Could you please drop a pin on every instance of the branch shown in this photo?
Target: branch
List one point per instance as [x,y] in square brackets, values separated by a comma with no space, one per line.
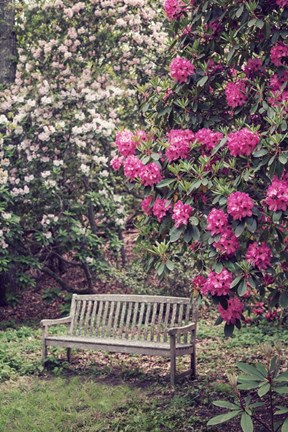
[64,285]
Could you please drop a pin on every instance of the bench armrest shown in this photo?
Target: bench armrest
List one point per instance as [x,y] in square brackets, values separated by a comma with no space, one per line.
[51,322]
[182,330]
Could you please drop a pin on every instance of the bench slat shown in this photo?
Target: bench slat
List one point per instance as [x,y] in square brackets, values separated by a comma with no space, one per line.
[123,313]
[165,333]
[104,320]
[127,323]
[116,318]
[180,318]
[133,298]
[147,319]
[153,321]
[187,319]
[83,309]
[111,315]
[99,316]
[140,321]
[160,323]
[92,322]
[134,319]
[87,318]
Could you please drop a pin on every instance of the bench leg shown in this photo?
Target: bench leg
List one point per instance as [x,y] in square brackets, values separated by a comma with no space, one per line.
[69,355]
[193,364]
[172,360]
[44,353]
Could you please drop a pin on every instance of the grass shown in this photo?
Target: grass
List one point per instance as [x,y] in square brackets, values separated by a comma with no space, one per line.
[104,392]
[59,404]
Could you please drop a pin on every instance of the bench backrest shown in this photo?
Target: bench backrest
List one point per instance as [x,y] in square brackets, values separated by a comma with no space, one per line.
[136,317]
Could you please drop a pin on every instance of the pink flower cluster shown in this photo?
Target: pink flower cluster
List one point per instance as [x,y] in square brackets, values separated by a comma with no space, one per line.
[181,213]
[243,142]
[198,282]
[132,167]
[174,9]
[116,163]
[259,255]
[252,67]
[239,205]
[236,93]
[277,53]
[126,143]
[208,138]
[277,195]
[217,221]
[150,174]
[181,69]
[179,144]
[217,284]
[233,311]
[146,205]
[160,208]
[282,3]
[228,243]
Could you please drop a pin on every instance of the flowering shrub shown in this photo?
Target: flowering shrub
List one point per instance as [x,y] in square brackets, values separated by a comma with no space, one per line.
[219,139]
[75,84]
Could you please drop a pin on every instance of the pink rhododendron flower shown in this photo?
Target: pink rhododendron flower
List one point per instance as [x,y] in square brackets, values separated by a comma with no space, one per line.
[276,81]
[217,221]
[160,208]
[150,174]
[277,195]
[126,143]
[236,93]
[208,138]
[146,205]
[282,3]
[179,144]
[243,142]
[181,213]
[181,69]
[252,67]
[228,243]
[139,136]
[174,9]
[277,53]
[116,163]
[239,205]
[132,167]
[233,312]
[217,284]
[198,282]
[259,255]
[258,308]
[271,315]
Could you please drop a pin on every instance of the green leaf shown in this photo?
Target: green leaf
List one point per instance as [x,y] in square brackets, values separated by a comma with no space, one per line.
[170,265]
[281,390]
[226,404]
[251,224]
[260,153]
[281,410]
[195,233]
[202,81]
[175,234]
[228,330]
[284,427]
[283,377]
[242,288]
[239,11]
[248,386]
[283,157]
[250,370]
[164,183]
[249,378]
[264,389]
[239,229]
[222,418]
[283,299]
[236,281]
[246,423]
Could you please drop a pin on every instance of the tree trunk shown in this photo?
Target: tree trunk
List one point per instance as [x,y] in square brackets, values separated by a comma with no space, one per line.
[8,283]
[7,42]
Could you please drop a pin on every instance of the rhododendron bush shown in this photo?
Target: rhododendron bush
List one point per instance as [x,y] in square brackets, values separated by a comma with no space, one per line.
[79,63]
[213,161]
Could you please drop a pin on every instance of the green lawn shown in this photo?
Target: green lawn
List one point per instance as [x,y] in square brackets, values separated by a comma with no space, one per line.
[105,392]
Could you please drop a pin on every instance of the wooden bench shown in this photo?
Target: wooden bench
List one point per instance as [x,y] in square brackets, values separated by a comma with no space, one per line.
[152,325]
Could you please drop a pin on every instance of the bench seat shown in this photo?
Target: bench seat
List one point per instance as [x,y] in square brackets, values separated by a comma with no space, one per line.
[118,345]
[151,325]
